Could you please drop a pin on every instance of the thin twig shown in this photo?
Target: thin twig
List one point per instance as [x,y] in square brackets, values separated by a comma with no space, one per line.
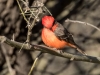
[22,12]
[36,59]
[48,10]
[21,47]
[34,64]
[33,23]
[73,21]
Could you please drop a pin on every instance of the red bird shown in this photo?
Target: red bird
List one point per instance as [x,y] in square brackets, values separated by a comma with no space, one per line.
[56,36]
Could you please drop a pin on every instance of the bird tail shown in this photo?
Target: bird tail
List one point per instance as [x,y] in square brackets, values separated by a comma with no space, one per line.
[81,51]
[75,46]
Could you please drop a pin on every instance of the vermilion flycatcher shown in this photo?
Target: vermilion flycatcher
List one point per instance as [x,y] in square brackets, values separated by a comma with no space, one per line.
[56,36]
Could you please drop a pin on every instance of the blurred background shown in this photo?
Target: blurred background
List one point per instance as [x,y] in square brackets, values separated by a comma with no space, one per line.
[11,22]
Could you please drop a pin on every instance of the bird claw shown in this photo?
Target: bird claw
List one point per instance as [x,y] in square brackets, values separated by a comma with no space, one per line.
[57,50]
[60,51]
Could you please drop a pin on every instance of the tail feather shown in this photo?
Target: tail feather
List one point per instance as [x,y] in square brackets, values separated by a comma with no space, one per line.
[81,51]
[75,46]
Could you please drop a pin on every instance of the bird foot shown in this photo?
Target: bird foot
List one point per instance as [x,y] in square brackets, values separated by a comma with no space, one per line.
[60,51]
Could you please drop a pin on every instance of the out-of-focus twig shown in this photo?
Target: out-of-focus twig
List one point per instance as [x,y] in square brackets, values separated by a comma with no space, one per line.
[34,64]
[10,69]
[84,23]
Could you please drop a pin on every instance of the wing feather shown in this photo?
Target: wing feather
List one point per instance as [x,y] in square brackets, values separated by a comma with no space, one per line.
[63,34]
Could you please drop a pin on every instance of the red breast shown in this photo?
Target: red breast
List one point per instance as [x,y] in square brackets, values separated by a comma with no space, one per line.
[51,40]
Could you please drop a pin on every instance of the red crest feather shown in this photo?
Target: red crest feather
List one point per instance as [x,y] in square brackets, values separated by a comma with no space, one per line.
[47,21]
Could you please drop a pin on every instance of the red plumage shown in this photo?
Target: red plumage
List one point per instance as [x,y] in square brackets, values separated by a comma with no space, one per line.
[51,40]
[47,21]
[55,35]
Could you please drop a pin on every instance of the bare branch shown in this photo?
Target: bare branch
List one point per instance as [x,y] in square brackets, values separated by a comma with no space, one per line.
[46,49]
[84,23]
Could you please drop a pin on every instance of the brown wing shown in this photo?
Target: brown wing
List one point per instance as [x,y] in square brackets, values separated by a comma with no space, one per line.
[63,34]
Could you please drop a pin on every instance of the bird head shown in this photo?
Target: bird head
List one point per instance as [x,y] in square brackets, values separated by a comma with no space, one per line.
[47,21]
